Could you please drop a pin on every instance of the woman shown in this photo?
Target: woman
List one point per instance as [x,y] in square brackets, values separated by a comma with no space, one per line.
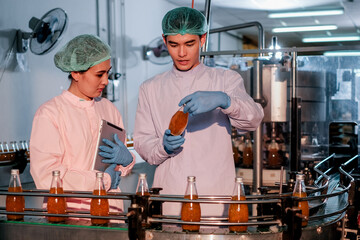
[65,129]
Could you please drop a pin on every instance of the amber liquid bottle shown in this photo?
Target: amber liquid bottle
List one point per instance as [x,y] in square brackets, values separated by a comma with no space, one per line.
[142,188]
[178,122]
[99,206]
[248,153]
[300,191]
[190,211]
[273,157]
[238,212]
[56,205]
[15,203]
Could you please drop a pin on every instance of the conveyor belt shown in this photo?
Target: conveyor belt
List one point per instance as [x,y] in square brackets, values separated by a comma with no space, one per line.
[37,228]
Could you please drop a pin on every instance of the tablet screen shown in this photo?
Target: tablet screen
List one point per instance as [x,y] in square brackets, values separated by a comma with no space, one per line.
[106,130]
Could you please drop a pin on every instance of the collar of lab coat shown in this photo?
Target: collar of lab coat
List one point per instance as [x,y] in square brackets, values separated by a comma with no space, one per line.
[192,72]
[78,102]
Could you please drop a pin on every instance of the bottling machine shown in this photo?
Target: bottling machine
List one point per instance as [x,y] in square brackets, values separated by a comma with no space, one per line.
[277,217]
[310,126]
[317,132]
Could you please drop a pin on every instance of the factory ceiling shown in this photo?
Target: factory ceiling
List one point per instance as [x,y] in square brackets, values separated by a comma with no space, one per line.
[232,12]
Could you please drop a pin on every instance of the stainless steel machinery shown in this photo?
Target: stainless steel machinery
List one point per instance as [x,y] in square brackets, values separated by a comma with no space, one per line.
[277,217]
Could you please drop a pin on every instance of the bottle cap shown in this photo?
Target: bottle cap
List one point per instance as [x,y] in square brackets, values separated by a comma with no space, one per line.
[239,179]
[191,178]
[99,174]
[56,173]
[300,176]
[14,171]
[142,175]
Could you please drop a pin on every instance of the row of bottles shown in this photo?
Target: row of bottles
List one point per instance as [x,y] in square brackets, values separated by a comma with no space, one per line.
[191,211]
[57,204]
[7,151]
[238,212]
[243,151]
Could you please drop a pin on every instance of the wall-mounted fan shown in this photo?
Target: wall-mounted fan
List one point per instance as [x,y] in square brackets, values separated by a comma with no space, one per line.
[156,52]
[46,32]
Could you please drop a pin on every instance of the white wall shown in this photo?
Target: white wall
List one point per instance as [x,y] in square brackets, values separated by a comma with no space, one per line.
[21,93]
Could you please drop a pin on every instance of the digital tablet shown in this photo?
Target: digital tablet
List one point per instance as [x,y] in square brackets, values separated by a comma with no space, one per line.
[106,130]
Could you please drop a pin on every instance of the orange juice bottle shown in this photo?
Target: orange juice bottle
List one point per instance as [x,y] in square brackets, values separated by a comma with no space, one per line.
[15,203]
[238,212]
[273,156]
[99,206]
[300,191]
[142,188]
[56,205]
[190,211]
[248,153]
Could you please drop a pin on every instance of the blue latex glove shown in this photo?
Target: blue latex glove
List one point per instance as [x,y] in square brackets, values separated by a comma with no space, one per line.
[204,101]
[171,143]
[115,176]
[115,152]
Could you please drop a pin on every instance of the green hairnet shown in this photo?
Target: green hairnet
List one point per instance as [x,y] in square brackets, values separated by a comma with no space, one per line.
[81,53]
[183,21]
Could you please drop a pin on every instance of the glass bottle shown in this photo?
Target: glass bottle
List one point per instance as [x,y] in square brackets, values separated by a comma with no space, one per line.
[273,156]
[248,153]
[178,122]
[142,188]
[56,205]
[130,141]
[238,212]
[190,211]
[15,203]
[12,151]
[99,206]
[2,152]
[6,150]
[300,191]
[27,149]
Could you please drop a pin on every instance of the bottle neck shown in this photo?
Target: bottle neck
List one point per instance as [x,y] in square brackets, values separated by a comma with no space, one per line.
[238,190]
[14,181]
[142,187]
[99,188]
[191,189]
[56,182]
[299,186]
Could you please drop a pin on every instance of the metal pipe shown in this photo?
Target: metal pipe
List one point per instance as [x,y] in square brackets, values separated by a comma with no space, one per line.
[161,199]
[214,223]
[41,213]
[261,42]
[123,64]
[294,73]
[295,119]
[257,95]
[283,50]
[97,18]
[207,16]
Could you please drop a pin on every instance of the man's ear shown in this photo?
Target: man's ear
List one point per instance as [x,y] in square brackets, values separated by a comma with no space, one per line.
[203,39]
[164,38]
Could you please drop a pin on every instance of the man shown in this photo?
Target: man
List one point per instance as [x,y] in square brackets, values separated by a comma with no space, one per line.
[214,98]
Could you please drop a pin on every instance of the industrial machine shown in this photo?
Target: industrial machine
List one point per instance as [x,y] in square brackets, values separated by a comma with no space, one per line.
[278,217]
[310,126]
